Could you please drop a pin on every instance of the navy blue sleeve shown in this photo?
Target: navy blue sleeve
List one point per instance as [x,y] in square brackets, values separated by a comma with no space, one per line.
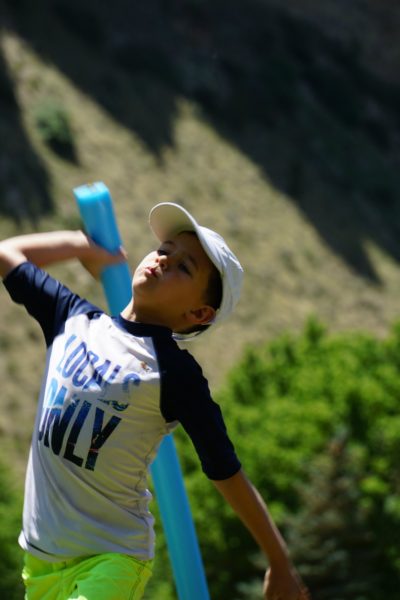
[45,298]
[185,397]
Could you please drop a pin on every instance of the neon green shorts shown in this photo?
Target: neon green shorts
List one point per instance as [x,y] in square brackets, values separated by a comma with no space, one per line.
[102,577]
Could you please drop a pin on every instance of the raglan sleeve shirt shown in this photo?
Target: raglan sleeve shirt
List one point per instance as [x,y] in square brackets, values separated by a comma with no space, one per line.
[112,389]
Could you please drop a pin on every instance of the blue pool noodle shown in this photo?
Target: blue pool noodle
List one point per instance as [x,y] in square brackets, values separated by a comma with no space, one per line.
[96,209]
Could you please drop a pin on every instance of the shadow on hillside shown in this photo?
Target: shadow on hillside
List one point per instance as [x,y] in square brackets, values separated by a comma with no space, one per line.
[24,198]
[323,130]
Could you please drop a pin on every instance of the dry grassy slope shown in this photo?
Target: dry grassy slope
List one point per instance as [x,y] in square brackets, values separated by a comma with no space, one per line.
[290,272]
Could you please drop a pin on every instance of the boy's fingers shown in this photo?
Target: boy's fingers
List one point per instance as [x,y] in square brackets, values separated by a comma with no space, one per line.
[107,257]
[119,256]
[123,253]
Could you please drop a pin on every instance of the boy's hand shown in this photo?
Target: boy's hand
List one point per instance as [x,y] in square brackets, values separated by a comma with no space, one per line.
[97,258]
[284,585]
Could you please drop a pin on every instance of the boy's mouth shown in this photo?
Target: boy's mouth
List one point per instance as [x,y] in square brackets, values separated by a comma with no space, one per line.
[151,271]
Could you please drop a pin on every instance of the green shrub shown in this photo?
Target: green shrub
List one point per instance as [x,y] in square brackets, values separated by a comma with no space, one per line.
[283,404]
[53,124]
[10,523]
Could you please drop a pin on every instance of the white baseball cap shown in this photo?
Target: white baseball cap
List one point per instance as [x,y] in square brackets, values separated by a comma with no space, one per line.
[168,219]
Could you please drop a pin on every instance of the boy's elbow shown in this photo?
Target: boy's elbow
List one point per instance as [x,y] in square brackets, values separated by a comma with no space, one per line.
[10,258]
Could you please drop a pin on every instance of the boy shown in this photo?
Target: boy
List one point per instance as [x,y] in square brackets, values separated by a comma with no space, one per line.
[113,387]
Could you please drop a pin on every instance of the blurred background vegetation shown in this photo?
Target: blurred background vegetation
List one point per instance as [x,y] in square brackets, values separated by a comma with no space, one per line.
[278,125]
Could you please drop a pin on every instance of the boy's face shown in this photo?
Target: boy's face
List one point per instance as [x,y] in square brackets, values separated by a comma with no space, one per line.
[170,284]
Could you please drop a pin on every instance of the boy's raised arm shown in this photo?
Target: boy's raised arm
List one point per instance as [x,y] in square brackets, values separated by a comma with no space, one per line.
[44,249]
[281,581]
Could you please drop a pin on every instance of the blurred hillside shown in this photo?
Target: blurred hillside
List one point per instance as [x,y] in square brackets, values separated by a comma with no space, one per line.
[277,126]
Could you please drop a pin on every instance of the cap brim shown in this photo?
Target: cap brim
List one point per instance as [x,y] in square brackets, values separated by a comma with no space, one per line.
[169,219]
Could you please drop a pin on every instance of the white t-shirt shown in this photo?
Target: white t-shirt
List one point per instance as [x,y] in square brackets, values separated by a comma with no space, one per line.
[111,390]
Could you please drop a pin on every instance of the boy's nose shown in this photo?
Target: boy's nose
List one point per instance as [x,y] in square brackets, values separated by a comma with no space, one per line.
[163,261]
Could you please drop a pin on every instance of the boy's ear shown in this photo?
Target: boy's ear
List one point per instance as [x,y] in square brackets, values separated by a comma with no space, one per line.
[202,315]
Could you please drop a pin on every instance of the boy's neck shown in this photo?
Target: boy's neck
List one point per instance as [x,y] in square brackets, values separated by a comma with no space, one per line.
[132,313]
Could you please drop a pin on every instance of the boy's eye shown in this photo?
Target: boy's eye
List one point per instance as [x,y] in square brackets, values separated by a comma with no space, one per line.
[184,268]
[181,265]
